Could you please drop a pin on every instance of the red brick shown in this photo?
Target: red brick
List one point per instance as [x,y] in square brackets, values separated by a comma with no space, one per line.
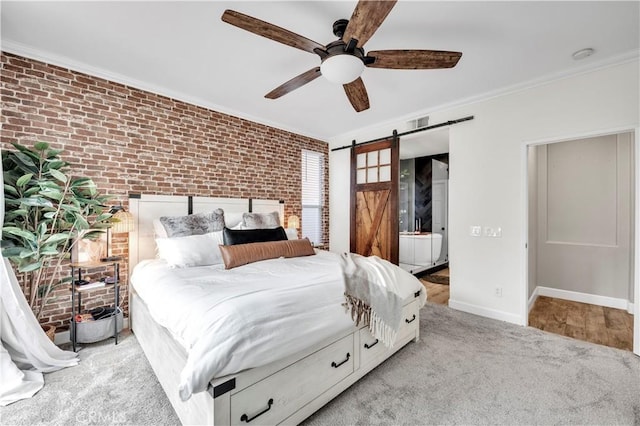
[131,141]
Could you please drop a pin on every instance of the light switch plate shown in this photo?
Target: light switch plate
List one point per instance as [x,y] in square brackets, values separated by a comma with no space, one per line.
[475,231]
[492,232]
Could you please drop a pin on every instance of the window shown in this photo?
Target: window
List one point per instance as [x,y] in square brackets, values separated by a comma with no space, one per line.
[312,195]
[373,166]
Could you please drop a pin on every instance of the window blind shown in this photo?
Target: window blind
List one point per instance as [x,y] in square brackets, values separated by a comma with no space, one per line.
[312,195]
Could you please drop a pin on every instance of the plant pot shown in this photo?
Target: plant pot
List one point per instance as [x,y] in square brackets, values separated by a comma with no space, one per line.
[50,331]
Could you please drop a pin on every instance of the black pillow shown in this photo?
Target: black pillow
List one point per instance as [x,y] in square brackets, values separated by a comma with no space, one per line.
[244,236]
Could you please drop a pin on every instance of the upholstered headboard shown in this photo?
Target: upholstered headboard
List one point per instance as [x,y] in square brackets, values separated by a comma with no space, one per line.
[146,208]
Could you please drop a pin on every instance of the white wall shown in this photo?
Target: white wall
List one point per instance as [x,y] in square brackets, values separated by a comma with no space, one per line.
[487,177]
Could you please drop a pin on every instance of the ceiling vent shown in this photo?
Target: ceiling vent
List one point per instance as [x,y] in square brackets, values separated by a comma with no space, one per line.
[418,123]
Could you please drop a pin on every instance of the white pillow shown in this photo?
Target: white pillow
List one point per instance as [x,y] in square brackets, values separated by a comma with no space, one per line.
[158,229]
[193,250]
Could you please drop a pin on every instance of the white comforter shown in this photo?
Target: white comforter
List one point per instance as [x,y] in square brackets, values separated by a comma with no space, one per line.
[231,320]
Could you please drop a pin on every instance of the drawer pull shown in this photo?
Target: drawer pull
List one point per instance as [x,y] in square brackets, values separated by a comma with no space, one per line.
[334,365]
[245,418]
[411,320]
[369,346]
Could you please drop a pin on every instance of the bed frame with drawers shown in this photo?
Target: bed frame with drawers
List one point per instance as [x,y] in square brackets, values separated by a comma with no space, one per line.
[284,392]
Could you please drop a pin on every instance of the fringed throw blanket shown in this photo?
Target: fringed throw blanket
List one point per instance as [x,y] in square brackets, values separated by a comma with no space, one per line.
[372,295]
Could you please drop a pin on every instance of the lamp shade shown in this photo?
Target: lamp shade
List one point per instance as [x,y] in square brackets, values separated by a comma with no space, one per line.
[342,69]
[293,222]
[124,222]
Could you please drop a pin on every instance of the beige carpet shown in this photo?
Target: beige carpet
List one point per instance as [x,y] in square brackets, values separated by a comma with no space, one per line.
[465,370]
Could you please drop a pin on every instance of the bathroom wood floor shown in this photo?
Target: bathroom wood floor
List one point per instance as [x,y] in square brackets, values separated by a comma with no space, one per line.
[591,323]
[437,293]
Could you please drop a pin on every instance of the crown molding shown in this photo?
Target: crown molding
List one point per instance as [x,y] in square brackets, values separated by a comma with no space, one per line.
[626,57]
[591,66]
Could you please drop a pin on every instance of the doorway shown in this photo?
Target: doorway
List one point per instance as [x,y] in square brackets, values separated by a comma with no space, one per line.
[423,201]
[582,236]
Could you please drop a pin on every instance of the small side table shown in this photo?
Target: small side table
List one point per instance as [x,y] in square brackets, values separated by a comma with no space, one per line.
[78,268]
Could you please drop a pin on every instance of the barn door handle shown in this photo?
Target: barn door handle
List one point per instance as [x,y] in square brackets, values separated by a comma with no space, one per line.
[245,418]
[334,365]
[413,318]
[369,346]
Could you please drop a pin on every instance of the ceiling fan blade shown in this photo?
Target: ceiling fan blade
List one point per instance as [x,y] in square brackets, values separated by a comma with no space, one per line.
[414,59]
[357,94]
[271,31]
[294,83]
[366,18]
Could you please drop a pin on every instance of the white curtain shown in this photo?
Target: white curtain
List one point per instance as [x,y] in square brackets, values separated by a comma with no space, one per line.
[25,351]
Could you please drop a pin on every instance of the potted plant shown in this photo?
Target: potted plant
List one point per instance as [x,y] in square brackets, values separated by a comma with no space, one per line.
[47,211]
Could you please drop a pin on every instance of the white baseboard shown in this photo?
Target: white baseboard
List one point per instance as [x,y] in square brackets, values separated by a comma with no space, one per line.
[64,337]
[485,312]
[575,296]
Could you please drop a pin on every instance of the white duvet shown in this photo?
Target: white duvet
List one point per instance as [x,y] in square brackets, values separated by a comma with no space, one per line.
[246,317]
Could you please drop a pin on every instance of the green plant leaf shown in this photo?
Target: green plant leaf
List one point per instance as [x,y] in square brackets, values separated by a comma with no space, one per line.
[49,251]
[27,151]
[10,203]
[58,175]
[42,229]
[56,164]
[36,202]
[93,234]
[31,192]
[24,180]
[20,233]
[12,251]
[70,208]
[52,193]
[48,184]
[25,161]
[81,222]
[52,154]
[24,254]
[57,238]
[10,189]
[30,267]
[50,215]
[41,146]
[14,213]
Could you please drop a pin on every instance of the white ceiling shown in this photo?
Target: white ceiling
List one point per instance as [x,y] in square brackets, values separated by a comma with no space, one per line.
[183,50]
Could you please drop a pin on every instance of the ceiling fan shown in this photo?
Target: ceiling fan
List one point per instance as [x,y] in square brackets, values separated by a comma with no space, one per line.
[343,60]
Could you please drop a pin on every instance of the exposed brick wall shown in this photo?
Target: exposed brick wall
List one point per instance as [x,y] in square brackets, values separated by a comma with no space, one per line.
[132,141]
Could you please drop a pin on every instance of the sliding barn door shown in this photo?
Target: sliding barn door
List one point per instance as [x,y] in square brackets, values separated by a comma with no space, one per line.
[374,199]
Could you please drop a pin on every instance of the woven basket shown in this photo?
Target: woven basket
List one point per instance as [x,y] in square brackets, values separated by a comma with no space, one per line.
[50,331]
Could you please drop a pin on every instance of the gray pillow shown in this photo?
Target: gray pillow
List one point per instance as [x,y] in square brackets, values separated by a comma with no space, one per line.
[260,220]
[193,224]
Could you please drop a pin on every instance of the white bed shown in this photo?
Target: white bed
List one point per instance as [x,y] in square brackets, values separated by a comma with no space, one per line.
[318,352]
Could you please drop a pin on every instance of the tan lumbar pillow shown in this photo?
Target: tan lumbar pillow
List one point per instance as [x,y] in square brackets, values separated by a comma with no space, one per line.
[242,254]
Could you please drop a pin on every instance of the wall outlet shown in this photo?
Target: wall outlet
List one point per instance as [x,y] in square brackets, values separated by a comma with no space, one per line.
[475,231]
[498,291]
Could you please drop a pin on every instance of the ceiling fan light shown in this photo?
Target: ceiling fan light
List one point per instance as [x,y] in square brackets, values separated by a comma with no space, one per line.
[342,69]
